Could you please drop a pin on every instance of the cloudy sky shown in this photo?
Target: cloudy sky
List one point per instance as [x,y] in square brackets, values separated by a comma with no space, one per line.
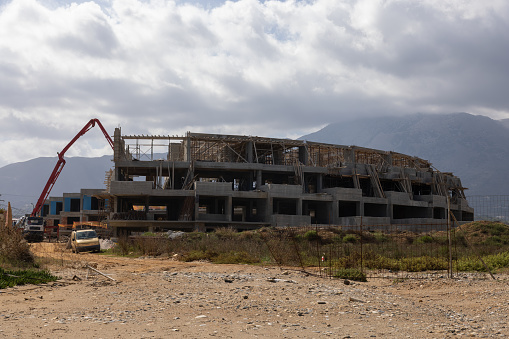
[267,68]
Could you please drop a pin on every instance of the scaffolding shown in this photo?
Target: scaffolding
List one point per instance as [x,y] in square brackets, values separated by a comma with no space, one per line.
[252,149]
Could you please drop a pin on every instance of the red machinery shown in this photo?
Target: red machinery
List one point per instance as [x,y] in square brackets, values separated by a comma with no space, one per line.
[61,162]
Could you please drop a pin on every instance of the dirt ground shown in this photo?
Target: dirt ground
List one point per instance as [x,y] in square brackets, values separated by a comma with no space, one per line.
[162,298]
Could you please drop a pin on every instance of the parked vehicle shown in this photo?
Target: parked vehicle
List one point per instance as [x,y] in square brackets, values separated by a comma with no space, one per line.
[84,241]
[32,228]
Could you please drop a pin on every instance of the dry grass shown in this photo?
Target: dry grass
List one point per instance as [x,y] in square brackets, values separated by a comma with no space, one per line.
[14,250]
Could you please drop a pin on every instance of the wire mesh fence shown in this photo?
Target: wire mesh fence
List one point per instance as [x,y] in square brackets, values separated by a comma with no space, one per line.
[382,251]
[490,207]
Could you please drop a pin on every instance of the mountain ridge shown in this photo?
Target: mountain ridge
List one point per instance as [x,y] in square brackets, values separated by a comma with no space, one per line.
[473,147]
[22,183]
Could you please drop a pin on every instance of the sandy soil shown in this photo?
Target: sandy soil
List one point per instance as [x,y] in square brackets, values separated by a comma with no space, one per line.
[161,298]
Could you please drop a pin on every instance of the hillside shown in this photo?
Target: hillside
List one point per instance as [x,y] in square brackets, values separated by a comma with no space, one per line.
[475,148]
[22,183]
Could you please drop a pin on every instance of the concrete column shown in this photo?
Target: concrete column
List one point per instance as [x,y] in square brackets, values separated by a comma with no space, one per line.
[196,206]
[335,212]
[319,183]
[147,206]
[258,178]
[299,206]
[268,209]
[228,208]
[117,176]
[249,151]
[116,145]
[250,179]
[114,201]
[330,213]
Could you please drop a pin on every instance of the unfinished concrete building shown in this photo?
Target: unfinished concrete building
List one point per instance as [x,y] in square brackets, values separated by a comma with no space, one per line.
[203,181]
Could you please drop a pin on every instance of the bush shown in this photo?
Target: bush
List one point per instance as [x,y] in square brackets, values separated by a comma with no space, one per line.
[493,241]
[225,233]
[234,257]
[424,263]
[350,238]
[350,273]
[494,261]
[497,229]
[123,246]
[14,250]
[311,235]
[380,237]
[425,239]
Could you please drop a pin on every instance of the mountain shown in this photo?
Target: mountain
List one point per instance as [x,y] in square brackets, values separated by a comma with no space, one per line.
[475,148]
[22,183]
[505,122]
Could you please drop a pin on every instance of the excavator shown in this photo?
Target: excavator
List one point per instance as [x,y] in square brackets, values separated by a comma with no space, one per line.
[33,225]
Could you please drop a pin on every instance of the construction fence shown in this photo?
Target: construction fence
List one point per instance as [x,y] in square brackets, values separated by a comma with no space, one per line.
[490,207]
[396,251]
[383,251]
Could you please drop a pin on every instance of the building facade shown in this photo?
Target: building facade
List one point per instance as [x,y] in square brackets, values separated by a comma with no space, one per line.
[86,206]
[203,181]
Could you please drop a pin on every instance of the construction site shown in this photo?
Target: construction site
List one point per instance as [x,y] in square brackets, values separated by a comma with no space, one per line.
[204,181]
[335,228]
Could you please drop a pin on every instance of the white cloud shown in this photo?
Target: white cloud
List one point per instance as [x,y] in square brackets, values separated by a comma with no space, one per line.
[272,68]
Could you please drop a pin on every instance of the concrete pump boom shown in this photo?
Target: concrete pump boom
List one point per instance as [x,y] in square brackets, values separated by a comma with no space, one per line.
[61,162]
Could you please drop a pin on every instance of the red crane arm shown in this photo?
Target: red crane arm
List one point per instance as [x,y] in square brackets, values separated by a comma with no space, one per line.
[61,163]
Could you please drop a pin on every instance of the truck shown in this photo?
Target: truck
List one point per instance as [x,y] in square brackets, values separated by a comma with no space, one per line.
[32,228]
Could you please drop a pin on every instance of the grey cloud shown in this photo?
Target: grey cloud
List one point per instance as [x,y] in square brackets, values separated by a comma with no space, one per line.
[269,68]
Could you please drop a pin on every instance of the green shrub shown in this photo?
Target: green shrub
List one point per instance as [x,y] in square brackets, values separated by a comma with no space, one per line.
[21,277]
[337,239]
[311,235]
[350,273]
[350,238]
[380,237]
[233,257]
[199,255]
[494,262]
[497,229]
[424,263]
[149,234]
[378,262]
[493,241]
[414,264]
[425,239]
